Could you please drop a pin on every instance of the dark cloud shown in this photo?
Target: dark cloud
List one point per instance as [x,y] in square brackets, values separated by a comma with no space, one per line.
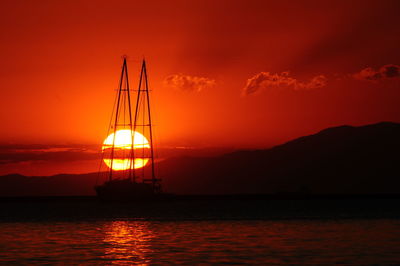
[18,153]
[265,80]
[23,153]
[188,83]
[385,72]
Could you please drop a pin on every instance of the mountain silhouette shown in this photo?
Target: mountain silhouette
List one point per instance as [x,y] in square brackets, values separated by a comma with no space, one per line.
[338,160]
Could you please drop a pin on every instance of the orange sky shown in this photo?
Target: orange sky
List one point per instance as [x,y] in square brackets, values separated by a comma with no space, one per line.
[60,65]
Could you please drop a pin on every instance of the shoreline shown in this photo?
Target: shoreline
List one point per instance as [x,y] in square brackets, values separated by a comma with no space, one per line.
[217,197]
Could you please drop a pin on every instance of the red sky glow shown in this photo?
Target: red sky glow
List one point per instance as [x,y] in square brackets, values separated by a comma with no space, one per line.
[241,74]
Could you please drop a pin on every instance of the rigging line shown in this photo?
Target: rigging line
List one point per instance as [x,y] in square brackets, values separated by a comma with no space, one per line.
[123,119]
[155,145]
[116,120]
[126,159]
[126,154]
[138,99]
[150,131]
[131,161]
[108,132]
[143,129]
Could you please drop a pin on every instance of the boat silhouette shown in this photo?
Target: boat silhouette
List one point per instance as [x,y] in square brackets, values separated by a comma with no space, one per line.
[128,151]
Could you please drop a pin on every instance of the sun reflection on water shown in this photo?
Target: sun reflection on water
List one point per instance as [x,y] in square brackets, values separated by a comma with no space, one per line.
[126,242]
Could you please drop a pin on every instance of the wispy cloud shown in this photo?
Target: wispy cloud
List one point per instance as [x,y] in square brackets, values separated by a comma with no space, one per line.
[189,83]
[22,153]
[385,72]
[266,80]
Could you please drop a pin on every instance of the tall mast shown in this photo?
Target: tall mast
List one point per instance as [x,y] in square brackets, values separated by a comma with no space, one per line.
[132,157]
[153,177]
[116,117]
[144,98]
[123,95]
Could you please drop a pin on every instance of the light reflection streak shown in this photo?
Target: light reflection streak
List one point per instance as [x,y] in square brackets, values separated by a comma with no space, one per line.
[127,242]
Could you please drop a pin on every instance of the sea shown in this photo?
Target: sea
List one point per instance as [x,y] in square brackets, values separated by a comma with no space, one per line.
[200,232]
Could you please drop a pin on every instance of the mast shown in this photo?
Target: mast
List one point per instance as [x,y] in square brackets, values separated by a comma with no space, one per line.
[116,119]
[123,96]
[142,118]
[144,99]
[132,157]
[153,177]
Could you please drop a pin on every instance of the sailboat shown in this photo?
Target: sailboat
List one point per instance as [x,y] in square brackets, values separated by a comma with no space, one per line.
[128,151]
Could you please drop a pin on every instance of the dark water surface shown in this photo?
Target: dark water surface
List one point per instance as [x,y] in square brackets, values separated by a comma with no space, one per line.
[352,232]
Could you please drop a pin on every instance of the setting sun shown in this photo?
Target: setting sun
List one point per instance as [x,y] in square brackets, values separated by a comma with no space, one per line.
[122,149]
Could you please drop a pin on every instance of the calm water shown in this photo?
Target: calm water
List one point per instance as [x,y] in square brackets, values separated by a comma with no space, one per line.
[234,231]
[124,242]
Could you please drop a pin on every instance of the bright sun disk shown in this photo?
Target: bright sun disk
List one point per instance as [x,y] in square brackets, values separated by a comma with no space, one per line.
[123,141]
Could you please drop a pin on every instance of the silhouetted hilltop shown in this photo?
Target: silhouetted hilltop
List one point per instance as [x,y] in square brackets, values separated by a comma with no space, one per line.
[345,159]
[342,159]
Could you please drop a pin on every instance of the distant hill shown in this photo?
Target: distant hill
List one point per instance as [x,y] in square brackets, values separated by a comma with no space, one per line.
[345,159]
[57,185]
